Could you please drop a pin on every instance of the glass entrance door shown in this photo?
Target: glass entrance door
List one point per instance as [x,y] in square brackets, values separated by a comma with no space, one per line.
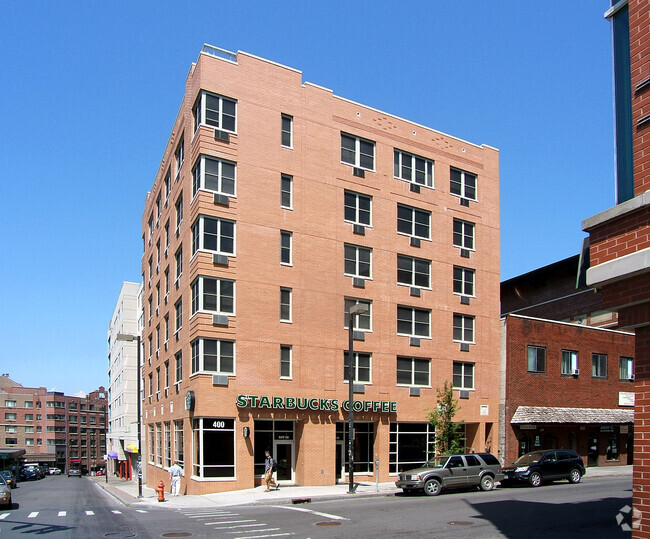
[340,460]
[283,454]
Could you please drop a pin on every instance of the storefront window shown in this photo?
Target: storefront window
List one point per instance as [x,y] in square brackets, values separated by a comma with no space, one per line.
[266,431]
[178,442]
[612,447]
[411,444]
[214,443]
[364,439]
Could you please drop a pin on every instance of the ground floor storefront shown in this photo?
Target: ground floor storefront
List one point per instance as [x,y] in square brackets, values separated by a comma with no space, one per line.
[309,438]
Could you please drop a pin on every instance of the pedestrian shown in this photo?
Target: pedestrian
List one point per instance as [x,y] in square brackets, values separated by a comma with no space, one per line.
[176,472]
[270,466]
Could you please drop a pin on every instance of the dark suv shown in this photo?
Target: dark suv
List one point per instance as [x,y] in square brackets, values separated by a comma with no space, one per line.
[548,465]
[452,471]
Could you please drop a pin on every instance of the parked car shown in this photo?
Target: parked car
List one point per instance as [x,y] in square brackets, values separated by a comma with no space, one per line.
[55,471]
[30,472]
[74,472]
[452,471]
[5,493]
[41,472]
[537,467]
[9,477]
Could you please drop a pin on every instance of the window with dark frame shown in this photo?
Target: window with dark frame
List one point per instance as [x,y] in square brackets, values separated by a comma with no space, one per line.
[626,369]
[599,365]
[536,358]
[569,362]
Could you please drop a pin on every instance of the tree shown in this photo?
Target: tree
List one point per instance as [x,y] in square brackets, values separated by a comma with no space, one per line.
[448,435]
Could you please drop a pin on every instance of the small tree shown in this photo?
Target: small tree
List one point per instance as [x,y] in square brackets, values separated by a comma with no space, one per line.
[448,437]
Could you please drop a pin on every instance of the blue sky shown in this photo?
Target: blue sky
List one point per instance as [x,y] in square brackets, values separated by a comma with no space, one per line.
[89,92]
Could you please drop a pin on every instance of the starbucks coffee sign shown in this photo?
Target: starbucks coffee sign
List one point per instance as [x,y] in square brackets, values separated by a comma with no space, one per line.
[316,404]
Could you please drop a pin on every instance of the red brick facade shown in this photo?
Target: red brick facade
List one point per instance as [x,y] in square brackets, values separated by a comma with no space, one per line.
[550,388]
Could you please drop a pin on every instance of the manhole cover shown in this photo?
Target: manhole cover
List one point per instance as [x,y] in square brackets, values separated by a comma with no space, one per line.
[119,534]
[328,523]
[461,523]
[177,534]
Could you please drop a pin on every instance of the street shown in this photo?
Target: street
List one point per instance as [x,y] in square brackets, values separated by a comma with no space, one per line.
[77,508]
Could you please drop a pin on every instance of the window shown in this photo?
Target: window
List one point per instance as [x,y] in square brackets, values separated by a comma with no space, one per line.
[10,403]
[167,374]
[287,131]
[179,213]
[11,441]
[216,111]
[360,367]
[168,185]
[179,263]
[158,208]
[29,429]
[157,383]
[361,322]
[463,328]
[413,222]
[413,271]
[363,444]
[152,452]
[463,375]
[463,281]
[286,191]
[357,208]
[159,444]
[150,384]
[215,175]
[411,444]
[166,328]
[536,359]
[214,440]
[179,366]
[215,235]
[29,417]
[29,404]
[463,234]
[358,261]
[463,184]
[413,371]
[285,247]
[285,361]
[178,442]
[413,168]
[599,365]
[11,428]
[626,371]
[413,322]
[569,361]
[178,306]
[285,304]
[213,356]
[10,416]
[167,239]
[357,152]
[213,295]
[168,444]
[180,156]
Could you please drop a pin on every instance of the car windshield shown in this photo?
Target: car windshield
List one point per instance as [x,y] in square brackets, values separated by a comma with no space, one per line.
[436,462]
[530,458]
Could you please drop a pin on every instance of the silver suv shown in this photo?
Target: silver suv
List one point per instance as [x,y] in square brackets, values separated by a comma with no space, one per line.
[452,471]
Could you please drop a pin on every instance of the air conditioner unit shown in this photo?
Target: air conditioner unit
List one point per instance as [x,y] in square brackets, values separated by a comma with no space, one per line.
[576,372]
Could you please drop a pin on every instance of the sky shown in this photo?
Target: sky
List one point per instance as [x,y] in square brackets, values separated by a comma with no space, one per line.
[89,92]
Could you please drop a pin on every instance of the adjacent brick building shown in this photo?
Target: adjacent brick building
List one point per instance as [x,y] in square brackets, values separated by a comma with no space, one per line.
[566,386]
[277,206]
[620,236]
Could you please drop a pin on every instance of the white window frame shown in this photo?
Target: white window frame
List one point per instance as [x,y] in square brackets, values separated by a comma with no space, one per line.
[357,250]
[198,296]
[572,356]
[414,322]
[357,211]
[358,319]
[412,222]
[464,188]
[286,236]
[199,109]
[201,357]
[465,320]
[199,234]
[466,281]
[289,179]
[413,360]
[400,158]
[356,162]
[466,226]
[412,271]
[198,182]
[179,155]
[285,289]
[286,348]
[463,374]
[284,132]
[355,367]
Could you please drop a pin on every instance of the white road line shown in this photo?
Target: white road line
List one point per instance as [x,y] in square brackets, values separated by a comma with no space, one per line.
[140,511]
[62,513]
[33,514]
[268,535]
[90,513]
[4,515]
[318,513]
[228,522]
[213,515]
[116,512]
[265,530]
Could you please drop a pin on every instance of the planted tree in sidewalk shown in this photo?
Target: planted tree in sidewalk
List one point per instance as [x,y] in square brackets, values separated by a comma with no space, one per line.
[448,433]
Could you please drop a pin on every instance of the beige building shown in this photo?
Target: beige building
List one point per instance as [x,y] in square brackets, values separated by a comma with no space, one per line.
[277,206]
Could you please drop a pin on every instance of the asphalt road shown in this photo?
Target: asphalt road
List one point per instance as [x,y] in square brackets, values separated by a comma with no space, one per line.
[64,507]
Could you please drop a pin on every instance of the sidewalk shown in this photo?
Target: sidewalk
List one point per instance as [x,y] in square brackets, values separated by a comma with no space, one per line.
[127,492]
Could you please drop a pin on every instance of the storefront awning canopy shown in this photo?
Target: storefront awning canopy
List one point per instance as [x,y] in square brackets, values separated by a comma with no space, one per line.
[550,414]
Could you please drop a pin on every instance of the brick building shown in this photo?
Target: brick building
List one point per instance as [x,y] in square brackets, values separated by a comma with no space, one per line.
[54,429]
[278,206]
[566,386]
[620,236]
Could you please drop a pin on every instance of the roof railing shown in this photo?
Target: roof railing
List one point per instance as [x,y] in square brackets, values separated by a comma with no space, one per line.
[220,53]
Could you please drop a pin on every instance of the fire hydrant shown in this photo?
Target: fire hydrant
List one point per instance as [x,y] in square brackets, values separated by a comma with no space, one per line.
[160,489]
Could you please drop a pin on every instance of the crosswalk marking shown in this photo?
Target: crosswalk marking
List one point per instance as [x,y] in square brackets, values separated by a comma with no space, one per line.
[258,531]
[33,514]
[4,515]
[318,513]
[140,511]
[62,513]
[228,522]
[116,512]
[267,535]
[90,513]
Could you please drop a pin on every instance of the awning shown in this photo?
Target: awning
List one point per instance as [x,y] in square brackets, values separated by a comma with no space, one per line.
[132,448]
[551,414]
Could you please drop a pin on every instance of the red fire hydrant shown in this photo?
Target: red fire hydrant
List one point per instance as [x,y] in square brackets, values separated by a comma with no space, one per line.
[160,489]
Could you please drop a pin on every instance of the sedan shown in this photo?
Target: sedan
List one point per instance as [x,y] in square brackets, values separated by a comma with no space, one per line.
[55,471]
[74,472]
[9,478]
[5,493]
[547,465]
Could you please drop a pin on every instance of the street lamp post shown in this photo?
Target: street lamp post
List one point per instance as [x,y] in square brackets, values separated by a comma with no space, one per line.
[355,310]
[129,338]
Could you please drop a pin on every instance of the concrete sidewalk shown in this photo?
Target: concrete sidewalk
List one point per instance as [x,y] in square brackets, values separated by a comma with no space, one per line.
[127,492]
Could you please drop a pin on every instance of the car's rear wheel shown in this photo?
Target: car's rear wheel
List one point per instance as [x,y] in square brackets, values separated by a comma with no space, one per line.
[487,482]
[432,487]
[535,479]
[575,476]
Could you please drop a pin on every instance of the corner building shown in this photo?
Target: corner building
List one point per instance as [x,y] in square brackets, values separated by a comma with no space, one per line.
[278,206]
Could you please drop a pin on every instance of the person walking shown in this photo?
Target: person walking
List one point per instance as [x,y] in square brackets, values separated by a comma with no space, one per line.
[270,466]
[176,472]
